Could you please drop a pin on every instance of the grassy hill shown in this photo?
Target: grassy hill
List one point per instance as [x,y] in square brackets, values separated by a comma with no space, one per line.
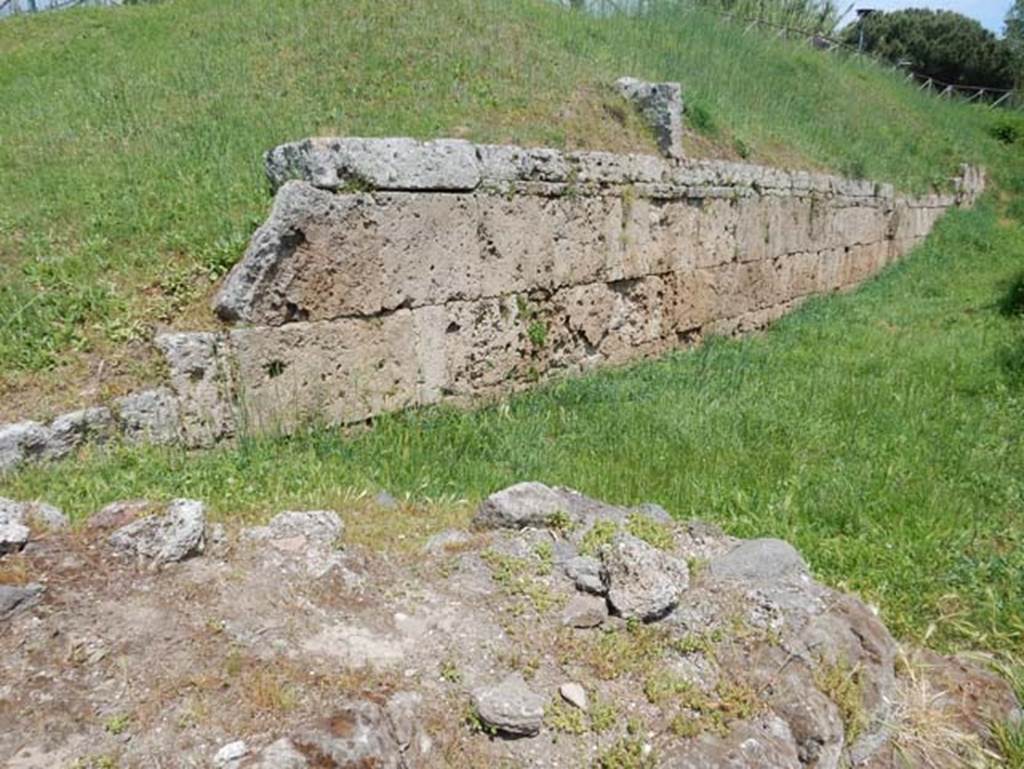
[131,138]
[879,431]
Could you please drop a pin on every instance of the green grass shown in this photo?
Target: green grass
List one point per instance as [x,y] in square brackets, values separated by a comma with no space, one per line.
[131,137]
[879,431]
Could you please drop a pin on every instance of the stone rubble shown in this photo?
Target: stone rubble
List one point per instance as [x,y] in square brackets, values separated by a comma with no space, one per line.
[18,518]
[379,660]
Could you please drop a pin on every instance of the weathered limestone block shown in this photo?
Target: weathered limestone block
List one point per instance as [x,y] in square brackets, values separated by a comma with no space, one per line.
[25,442]
[338,372]
[716,233]
[383,164]
[149,416]
[201,378]
[661,105]
[608,168]
[502,164]
[69,431]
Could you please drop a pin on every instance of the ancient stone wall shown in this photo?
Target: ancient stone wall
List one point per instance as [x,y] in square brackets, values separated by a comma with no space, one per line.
[395,273]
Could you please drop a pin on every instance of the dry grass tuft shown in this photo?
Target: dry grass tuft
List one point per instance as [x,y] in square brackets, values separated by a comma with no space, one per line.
[926,732]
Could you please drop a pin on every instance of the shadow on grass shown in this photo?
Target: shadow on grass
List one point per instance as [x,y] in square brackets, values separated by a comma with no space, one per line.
[1012,306]
[1012,303]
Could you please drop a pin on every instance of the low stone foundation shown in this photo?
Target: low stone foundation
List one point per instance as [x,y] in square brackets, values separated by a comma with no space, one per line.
[393,273]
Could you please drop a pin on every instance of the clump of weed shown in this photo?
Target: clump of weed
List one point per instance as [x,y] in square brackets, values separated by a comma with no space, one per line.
[696,565]
[545,553]
[629,752]
[699,643]
[518,659]
[1012,304]
[474,721]
[700,118]
[117,724]
[660,689]
[700,711]
[843,684]
[637,649]
[599,535]
[516,577]
[653,533]
[563,717]
[604,715]
[561,522]
[1008,740]
[105,761]
[1007,131]
[537,333]
[450,672]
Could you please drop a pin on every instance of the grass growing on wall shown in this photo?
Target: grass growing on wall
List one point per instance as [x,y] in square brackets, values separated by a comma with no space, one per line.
[878,431]
[130,139]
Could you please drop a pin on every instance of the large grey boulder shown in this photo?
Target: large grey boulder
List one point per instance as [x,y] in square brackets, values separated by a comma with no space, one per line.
[448,165]
[519,506]
[149,416]
[661,105]
[643,582]
[173,536]
[511,707]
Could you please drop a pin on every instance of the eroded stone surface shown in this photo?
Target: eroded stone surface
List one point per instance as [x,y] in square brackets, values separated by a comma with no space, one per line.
[759,560]
[172,536]
[201,379]
[14,598]
[373,660]
[511,707]
[643,582]
[661,105]
[149,416]
[525,504]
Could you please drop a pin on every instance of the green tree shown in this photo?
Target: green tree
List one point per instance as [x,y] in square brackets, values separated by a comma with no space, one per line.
[941,44]
[1013,32]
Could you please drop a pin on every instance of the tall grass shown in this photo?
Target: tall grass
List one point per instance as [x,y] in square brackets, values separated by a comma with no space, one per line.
[131,137]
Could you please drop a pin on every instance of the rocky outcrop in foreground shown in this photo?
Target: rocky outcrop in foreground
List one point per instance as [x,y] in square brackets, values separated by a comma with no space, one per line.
[554,630]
